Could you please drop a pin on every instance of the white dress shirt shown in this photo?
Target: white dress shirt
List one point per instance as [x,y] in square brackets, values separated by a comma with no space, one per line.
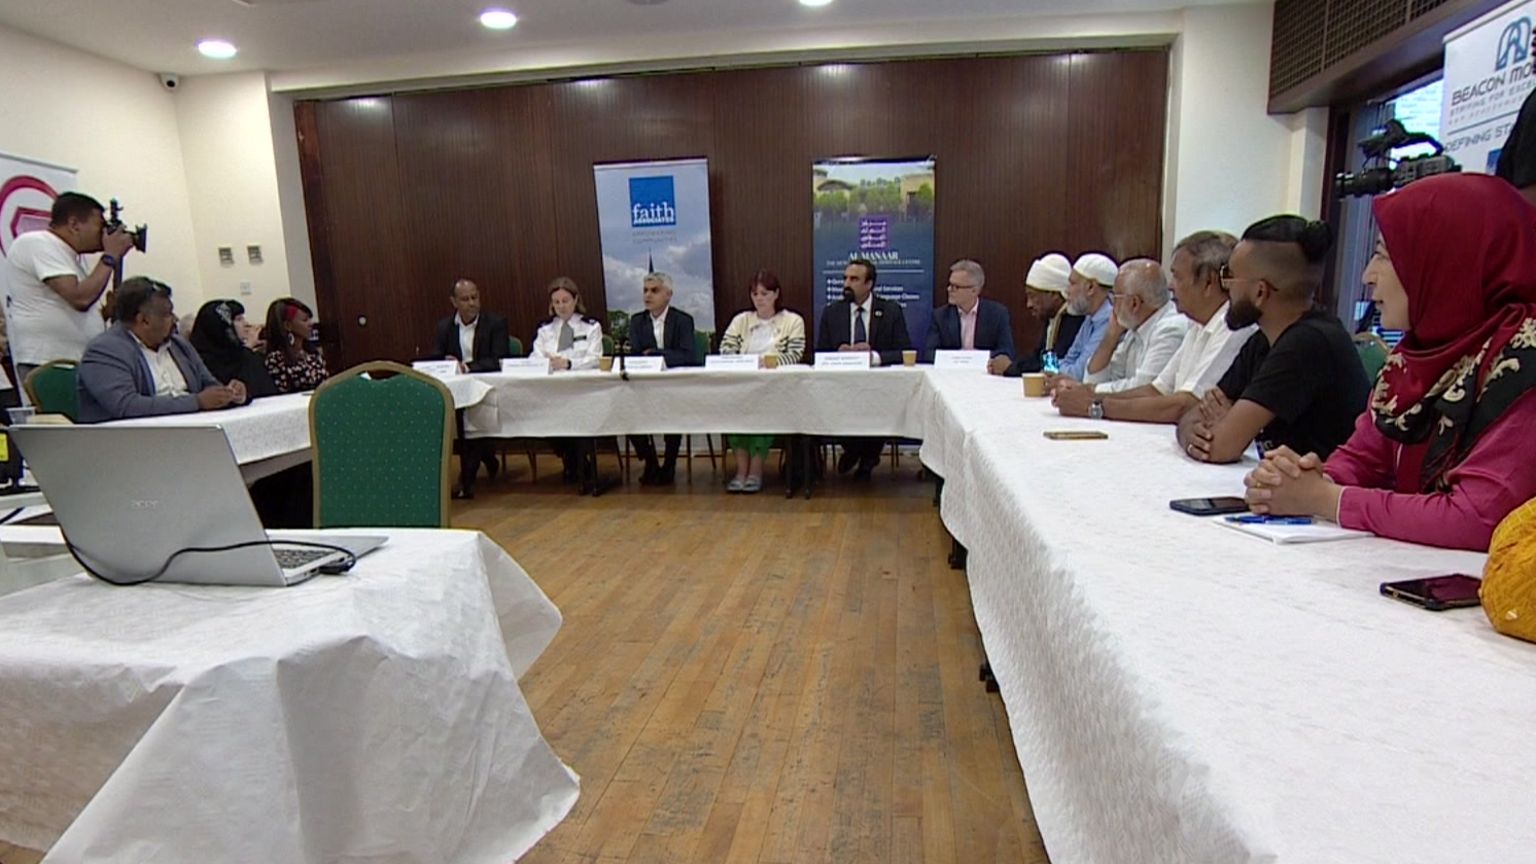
[467,339]
[1204,357]
[1143,353]
[162,367]
[659,328]
[586,345]
[869,322]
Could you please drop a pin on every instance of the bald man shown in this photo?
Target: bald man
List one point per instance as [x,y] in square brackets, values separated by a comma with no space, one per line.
[1145,331]
[1299,383]
[478,340]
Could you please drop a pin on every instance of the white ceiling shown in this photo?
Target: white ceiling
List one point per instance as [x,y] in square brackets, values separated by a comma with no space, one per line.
[294,36]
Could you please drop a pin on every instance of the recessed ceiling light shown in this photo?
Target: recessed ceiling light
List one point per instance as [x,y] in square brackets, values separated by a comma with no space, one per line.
[218,49]
[815,2]
[498,19]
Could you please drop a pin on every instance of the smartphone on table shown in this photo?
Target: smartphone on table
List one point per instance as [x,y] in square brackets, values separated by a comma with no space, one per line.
[1437,593]
[1077,435]
[1209,506]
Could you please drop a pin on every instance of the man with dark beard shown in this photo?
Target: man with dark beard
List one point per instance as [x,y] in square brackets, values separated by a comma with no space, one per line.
[1300,383]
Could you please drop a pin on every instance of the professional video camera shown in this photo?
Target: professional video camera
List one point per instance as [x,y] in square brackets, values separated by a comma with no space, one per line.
[139,234]
[1381,173]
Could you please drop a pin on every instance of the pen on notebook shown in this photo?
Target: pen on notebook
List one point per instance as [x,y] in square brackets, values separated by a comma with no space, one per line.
[1256,519]
[1258,449]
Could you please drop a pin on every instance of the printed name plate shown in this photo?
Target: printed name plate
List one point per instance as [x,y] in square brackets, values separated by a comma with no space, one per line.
[437,368]
[653,363]
[843,360]
[525,367]
[733,361]
[961,360]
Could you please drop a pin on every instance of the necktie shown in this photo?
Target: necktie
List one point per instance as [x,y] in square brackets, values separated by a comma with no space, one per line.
[567,336]
[859,333]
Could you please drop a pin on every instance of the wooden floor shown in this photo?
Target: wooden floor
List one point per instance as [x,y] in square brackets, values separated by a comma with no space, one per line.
[751,679]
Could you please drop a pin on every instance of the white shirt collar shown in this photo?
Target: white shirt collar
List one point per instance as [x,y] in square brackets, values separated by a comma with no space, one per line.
[1218,322]
[662,316]
[462,325]
[1153,319]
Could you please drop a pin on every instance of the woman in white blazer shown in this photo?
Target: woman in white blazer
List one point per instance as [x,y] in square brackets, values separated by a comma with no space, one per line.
[569,339]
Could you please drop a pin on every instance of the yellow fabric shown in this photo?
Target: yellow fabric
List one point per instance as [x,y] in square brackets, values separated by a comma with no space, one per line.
[1509,579]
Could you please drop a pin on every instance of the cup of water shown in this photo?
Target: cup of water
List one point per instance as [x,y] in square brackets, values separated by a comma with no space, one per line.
[21,416]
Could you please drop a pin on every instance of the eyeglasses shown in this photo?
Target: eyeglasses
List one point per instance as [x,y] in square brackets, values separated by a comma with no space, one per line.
[954,287]
[1228,279]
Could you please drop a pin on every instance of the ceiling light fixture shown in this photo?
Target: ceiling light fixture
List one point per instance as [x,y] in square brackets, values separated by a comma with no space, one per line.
[815,2]
[218,49]
[498,19]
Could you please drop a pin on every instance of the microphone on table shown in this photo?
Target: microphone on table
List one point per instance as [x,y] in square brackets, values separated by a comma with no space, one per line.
[621,346]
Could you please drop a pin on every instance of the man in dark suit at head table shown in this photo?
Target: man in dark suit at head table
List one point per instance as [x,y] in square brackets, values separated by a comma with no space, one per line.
[971,322]
[863,322]
[668,332]
[478,340]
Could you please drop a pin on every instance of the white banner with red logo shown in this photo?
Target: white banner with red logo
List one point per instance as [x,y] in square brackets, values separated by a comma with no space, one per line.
[27,190]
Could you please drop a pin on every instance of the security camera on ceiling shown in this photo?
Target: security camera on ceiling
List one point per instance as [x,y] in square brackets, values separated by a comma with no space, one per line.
[170,81]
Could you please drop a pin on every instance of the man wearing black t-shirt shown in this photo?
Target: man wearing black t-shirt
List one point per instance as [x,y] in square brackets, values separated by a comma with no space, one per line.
[1301,383]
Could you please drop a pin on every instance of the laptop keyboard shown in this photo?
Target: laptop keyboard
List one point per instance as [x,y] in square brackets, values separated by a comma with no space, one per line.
[290,559]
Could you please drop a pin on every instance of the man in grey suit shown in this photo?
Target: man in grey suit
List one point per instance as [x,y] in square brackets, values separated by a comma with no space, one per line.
[140,368]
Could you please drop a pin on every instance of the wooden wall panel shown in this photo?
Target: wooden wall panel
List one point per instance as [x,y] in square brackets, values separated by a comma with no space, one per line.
[1035,153]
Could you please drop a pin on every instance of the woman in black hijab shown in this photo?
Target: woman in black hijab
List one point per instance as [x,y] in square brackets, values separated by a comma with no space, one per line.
[216,336]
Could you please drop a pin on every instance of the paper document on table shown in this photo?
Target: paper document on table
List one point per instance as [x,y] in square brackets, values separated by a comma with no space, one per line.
[1278,532]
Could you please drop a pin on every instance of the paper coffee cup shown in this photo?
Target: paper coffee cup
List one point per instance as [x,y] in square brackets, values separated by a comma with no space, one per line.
[1034,384]
[909,358]
[605,364]
[770,361]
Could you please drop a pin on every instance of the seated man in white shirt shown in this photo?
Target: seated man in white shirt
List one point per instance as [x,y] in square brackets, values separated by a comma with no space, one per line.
[53,295]
[140,368]
[1145,333]
[1208,349]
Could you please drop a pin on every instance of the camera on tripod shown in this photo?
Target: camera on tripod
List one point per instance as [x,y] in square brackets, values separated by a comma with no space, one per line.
[1381,173]
[139,234]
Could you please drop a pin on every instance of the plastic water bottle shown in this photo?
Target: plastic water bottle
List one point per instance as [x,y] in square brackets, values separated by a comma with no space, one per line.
[1049,364]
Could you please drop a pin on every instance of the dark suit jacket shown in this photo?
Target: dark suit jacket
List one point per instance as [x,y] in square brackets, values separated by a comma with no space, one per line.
[490,342]
[114,381]
[887,329]
[994,332]
[1066,333]
[678,346]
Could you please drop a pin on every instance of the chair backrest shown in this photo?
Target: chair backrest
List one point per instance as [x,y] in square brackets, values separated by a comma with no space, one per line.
[607,345]
[382,448]
[1373,354]
[53,388]
[700,345]
[515,345]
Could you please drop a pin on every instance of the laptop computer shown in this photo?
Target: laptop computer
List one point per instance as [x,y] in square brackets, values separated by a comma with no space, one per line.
[139,503]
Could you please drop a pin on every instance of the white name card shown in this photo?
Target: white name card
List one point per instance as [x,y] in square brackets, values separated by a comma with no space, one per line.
[437,368]
[961,360]
[749,362]
[525,367]
[842,360]
[653,363]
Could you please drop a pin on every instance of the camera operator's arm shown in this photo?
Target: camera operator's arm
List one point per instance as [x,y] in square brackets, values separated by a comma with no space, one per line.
[83,293]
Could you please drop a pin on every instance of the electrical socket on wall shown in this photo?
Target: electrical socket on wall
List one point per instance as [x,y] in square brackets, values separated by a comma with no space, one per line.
[245,289]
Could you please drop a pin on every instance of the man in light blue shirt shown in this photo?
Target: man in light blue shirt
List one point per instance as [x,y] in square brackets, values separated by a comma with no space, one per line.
[1088,294]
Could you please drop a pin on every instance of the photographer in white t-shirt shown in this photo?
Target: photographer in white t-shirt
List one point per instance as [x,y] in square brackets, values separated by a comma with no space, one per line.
[51,308]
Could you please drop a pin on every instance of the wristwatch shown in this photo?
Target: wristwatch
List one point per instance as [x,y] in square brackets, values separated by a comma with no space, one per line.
[109,260]
[1096,409]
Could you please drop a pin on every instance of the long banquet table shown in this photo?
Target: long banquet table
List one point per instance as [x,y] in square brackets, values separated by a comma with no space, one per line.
[1176,691]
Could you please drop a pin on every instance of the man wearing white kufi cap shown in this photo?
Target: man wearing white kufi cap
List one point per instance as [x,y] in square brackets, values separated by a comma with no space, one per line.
[1045,295]
[1089,287]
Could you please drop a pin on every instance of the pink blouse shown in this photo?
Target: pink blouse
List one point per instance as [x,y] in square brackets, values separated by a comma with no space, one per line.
[1498,476]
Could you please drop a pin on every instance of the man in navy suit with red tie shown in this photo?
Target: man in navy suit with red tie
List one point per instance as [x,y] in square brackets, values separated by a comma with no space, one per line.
[970,322]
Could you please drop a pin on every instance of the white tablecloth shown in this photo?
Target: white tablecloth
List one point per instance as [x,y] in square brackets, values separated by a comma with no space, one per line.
[1180,692]
[787,400]
[370,717]
[272,433]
